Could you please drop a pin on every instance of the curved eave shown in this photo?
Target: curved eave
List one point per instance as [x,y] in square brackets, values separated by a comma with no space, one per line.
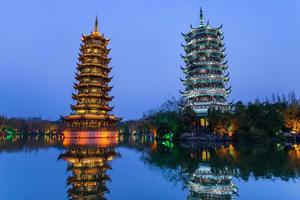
[105,78]
[91,106]
[82,65]
[208,52]
[207,81]
[95,36]
[78,76]
[104,88]
[97,96]
[203,95]
[181,92]
[98,55]
[91,117]
[203,26]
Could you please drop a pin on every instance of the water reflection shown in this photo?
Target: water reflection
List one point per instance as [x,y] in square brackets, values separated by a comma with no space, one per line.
[88,161]
[207,171]
[204,183]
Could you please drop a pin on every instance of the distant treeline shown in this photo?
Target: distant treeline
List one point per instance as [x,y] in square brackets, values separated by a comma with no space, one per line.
[28,124]
[169,117]
[260,119]
[255,120]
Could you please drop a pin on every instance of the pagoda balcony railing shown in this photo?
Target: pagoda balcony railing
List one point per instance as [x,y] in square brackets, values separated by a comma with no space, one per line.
[89,74]
[91,46]
[206,92]
[205,51]
[202,72]
[204,39]
[188,96]
[207,67]
[197,33]
[209,43]
[212,106]
[98,85]
[220,67]
[200,48]
[205,35]
[214,84]
[94,49]
[91,106]
[92,95]
[207,103]
[203,58]
[206,63]
[105,78]
[92,64]
[91,54]
[206,76]
[99,60]
[215,31]
[205,81]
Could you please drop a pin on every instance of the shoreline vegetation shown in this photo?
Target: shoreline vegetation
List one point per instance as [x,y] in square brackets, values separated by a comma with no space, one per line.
[275,120]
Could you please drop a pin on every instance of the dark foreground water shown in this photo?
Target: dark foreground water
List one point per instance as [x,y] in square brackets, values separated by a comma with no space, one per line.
[45,168]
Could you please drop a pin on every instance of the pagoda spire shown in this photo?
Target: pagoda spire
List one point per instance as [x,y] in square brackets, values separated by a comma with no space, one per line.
[201,16]
[96,25]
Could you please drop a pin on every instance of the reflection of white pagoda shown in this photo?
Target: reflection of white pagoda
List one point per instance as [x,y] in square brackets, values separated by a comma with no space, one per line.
[205,184]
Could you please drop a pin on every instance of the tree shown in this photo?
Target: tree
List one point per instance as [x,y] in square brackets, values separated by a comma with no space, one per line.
[292,117]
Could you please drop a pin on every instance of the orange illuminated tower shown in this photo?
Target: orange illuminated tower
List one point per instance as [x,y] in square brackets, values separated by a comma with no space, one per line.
[91,111]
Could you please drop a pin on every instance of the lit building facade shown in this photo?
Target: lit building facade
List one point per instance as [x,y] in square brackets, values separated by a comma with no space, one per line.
[91,111]
[205,69]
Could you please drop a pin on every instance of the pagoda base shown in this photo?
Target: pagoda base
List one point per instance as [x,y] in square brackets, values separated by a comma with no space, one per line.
[97,142]
[90,134]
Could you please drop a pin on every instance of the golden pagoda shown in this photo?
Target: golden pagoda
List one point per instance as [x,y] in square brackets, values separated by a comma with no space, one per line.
[88,166]
[91,113]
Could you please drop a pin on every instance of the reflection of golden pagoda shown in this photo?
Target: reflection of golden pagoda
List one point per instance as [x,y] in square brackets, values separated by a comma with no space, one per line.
[88,166]
[204,184]
[91,114]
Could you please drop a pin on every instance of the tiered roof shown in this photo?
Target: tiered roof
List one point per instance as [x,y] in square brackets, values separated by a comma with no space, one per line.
[91,108]
[205,71]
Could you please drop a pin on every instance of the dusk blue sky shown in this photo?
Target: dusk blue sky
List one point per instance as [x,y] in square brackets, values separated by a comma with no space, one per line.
[39,45]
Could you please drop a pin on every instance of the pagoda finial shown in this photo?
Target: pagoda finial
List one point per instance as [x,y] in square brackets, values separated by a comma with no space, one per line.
[201,16]
[96,25]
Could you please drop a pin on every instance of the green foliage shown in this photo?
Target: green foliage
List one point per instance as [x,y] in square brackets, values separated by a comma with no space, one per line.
[255,121]
[260,120]
[222,122]
[292,117]
[175,122]
[169,118]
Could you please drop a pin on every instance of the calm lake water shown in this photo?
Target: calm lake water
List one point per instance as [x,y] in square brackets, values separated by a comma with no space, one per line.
[49,168]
